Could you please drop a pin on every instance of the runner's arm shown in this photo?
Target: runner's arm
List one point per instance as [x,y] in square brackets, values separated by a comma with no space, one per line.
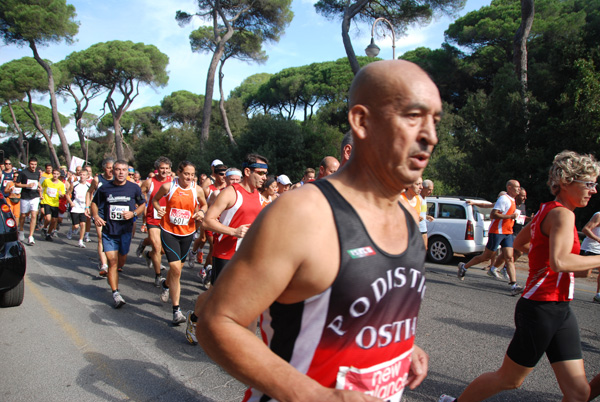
[162,191]
[590,226]
[225,200]
[559,225]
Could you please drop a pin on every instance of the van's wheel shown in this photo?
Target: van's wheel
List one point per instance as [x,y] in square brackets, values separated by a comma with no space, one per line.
[439,250]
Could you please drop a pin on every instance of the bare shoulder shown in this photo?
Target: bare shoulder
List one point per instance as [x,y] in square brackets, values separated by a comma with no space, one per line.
[295,236]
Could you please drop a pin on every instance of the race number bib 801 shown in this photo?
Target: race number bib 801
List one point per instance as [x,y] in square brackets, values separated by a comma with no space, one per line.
[180,216]
[385,380]
[116,212]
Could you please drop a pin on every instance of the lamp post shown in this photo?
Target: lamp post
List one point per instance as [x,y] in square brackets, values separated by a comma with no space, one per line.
[373,50]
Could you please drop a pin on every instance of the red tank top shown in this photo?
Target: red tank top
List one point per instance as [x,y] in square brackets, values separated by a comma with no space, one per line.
[152,217]
[543,284]
[246,208]
[181,203]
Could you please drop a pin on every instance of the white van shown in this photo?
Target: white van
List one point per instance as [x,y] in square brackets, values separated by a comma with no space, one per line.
[457,228]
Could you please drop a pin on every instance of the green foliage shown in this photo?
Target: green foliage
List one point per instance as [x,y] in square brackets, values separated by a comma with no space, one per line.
[290,146]
[18,77]
[38,21]
[25,119]
[182,107]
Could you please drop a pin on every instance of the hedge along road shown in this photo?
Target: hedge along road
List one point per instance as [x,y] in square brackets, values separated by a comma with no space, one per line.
[66,342]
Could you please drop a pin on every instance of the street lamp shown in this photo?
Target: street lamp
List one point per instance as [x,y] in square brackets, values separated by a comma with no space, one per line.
[373,50]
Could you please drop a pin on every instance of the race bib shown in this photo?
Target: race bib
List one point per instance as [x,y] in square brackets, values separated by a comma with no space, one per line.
[116,212]
[35,184]
[80,196]
[180,216]
[17,190]
[385,380]
[51,192]
[5,183]
[156,212]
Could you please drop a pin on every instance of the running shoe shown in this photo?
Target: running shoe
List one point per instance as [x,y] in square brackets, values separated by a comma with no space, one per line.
[55,234]
[21,236]
[202,274]
[493,272]
[70,234]
[504,274]
[87,238]
[178,317]
[192,259]
[119,301]
[44,232]
[148,260]
[461,271]
[597,298]
[446,398]
[103,270]
[190,329]
[80,244]
[140,249]
[157,280]
[31,241]
[516,290]
[120,269]
[164,292]
[49,238]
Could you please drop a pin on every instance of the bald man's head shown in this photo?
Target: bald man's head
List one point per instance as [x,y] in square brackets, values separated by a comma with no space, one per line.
[394,110]
[329,165]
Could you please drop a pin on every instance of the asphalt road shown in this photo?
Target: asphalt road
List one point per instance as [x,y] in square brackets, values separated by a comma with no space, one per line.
[67,343]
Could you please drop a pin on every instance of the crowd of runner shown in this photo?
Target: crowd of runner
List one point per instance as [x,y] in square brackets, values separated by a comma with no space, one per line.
[337,289]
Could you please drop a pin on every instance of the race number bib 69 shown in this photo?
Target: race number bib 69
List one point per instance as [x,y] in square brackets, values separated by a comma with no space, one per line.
[156,212]
[385,380]
[116,212]
[180,216]
[51,192]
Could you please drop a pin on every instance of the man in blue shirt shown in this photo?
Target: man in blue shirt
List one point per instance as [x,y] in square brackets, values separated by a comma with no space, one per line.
[122,202]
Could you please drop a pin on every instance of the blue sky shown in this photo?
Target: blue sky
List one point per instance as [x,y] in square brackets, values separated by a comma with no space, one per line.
[309,38]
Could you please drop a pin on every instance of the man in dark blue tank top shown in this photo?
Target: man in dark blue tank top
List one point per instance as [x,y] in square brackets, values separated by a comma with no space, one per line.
[335,270]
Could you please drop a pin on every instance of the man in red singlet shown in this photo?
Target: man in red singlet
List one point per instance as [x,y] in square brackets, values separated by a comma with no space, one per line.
[149,188]
[229,217]
[335,269]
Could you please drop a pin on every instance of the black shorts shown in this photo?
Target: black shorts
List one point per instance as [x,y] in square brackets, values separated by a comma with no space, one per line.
[544,327]
[78,217]
[149,226]
[176,247]
[48,210]
[218,264]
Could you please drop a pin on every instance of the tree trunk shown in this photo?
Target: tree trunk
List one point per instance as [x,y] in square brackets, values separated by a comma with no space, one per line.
[78,114]
[48,138]
[349,12]
[520,55]
[20,137]
[210,78]
[222,106]
[54,105]
[348,43]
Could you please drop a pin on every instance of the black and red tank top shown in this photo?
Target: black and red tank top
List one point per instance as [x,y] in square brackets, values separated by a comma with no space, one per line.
[359,333]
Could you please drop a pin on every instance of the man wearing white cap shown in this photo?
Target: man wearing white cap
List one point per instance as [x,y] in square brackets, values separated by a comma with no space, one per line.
[283,184]
[210,179]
